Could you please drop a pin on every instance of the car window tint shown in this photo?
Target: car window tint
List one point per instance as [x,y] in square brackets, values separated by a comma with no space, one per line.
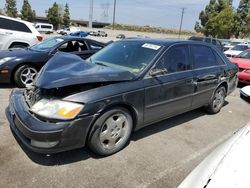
[214,42]
[73,46]
[218,58]
[175,59]
[18,26]
[4,24]
[207,40]
[203,56]
[95,46]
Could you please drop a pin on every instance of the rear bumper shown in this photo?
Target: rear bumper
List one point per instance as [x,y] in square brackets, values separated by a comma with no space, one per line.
[67,135]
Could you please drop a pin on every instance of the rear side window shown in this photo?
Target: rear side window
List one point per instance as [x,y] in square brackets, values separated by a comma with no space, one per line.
[46,27]
[207,40]
[13,25]
[175,59]
[214,42]
[203,56]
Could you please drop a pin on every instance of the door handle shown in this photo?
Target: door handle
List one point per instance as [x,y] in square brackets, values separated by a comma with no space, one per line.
[8,33]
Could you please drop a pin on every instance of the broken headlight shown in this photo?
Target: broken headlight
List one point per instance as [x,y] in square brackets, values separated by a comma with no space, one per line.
[57,109]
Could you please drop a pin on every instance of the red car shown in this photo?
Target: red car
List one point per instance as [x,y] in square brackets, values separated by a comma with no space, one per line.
[243,62]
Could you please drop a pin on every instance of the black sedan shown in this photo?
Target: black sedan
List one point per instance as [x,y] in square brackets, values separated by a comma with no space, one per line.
[22,65]
[125,86]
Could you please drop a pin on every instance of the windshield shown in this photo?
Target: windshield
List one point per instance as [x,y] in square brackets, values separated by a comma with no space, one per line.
[129,56]
[245,54]
[46,45]
[240,47]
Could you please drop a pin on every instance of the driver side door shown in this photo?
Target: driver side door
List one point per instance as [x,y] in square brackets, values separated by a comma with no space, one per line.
[169,93]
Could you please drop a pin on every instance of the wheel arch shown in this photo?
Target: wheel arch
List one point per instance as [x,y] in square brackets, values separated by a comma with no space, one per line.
[18,43]
[130,108]
[20,65]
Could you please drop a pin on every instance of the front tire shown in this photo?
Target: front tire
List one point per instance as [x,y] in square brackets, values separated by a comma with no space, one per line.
[25,75]
[217,101]
[111,132]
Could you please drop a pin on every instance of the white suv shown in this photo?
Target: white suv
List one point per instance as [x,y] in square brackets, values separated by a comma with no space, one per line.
[15,33]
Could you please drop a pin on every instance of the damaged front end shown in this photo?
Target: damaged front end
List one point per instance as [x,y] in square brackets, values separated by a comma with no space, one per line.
[42,116]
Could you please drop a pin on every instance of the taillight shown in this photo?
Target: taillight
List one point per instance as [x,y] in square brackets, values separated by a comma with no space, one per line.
[39,38]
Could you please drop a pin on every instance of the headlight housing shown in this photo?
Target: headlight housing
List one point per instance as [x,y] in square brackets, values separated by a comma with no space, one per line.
[6,59]
[57,109]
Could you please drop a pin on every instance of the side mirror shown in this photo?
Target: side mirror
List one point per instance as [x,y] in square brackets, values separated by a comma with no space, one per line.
[155,72]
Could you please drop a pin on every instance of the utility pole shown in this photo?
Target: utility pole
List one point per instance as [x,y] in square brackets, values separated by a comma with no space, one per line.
[182,14]
[114,15]
[90,13]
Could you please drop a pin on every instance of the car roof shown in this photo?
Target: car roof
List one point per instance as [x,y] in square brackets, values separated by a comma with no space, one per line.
[166,42]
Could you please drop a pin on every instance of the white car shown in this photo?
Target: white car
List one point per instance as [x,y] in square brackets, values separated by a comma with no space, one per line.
[16,33]
[227,166]
[245,93]
[44,28]
[69,30]
[236,50]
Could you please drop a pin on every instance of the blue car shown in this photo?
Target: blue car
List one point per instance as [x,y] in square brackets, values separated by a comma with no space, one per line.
[79,34]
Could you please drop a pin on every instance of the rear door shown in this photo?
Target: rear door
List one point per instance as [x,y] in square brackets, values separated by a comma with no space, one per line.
[170,93]
[207,74]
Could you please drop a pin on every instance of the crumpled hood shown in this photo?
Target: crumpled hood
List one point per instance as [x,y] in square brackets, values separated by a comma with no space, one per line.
[66,69]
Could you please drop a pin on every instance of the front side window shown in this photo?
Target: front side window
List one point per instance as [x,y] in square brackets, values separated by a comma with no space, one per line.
[132,56]
[73,46]
[175,59]
[203,56]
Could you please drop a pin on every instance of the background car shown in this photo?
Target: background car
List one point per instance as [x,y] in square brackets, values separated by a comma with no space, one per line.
[120,89]
[227,166]
[22,65]
[98,33]
[243,62]
[209,40]
[230,45]
[15,33]
[67,31]
[121,36]
[44,28]
[245,93]
[79,34]
[236,50]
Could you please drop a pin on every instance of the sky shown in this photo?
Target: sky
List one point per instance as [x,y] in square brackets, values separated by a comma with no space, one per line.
[157,13]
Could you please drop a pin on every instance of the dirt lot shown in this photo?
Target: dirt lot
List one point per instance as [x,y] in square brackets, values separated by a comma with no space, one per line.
[160,155]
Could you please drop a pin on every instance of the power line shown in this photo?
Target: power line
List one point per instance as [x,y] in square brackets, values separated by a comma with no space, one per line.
[182,14]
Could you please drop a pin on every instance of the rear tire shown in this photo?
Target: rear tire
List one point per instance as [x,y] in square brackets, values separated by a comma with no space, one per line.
[18,46]
[25,75]
[217,101]
[111,132]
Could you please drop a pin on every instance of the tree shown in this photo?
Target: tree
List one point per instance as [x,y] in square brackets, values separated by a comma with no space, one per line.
[1,12]
[10,8]
[54,16]
[27,13]
[241,18]
[210,21]
[66,16]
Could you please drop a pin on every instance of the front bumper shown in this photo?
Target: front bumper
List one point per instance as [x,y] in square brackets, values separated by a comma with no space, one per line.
[68,134]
